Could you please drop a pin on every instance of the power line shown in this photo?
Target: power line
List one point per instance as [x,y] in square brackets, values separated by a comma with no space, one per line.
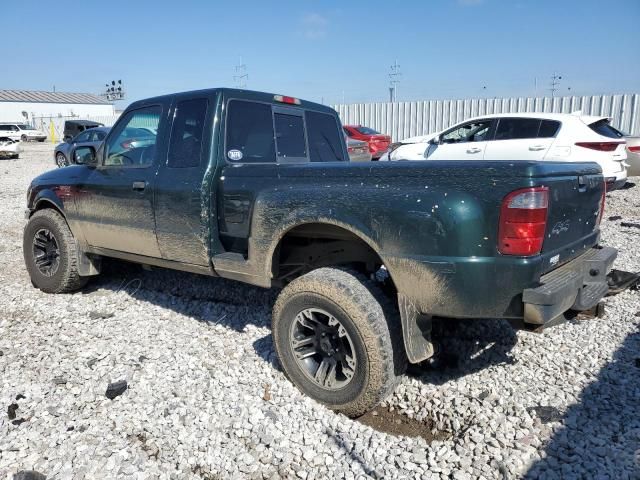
[241,76]
[394,80]
[555,82]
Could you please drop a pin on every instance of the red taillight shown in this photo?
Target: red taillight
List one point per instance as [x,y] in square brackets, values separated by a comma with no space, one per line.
[602,200]
[635,149]
[600,146]
[285,99]
[523,221]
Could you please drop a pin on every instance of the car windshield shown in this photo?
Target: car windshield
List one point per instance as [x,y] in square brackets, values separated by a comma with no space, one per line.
[367,131]
[25,127]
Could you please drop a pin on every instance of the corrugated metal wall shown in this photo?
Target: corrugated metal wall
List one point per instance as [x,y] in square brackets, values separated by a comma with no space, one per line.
[407,119]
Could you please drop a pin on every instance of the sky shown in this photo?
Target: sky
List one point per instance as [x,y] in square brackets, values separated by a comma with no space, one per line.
[326,51]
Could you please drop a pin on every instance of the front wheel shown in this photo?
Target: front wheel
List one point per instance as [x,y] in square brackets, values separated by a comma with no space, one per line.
[338,339]
[61,160]
[24,138]
[51,253]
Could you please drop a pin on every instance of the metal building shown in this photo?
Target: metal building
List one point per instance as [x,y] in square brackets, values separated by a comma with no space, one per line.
[28,106]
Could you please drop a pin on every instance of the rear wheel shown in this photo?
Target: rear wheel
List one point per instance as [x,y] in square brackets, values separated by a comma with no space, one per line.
[51,253]
[338,339]
[61,160]
[24,138]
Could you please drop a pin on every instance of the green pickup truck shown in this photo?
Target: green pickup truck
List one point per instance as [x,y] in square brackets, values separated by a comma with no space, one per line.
[258,188]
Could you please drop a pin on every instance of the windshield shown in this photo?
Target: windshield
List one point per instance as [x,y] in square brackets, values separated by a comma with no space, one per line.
[25,127]
[367,131]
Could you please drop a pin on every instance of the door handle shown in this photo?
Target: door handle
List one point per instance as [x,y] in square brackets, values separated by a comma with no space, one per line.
[139,185]
[473,150]
[537,148]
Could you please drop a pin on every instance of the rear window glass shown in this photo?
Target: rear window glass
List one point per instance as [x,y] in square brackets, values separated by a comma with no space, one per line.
[517,128]
[367,131]
[325,143]
[250,132]
[548,128]
[290,140]
[603,128]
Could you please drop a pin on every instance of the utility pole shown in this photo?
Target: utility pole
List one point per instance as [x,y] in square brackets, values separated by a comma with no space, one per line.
[241,76]
[555,82]
[394,80]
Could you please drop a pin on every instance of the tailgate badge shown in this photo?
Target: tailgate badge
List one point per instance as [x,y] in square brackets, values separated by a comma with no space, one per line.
[555,259]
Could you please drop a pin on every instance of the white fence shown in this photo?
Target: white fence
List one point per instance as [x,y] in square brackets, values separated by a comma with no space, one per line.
[55,125]
[408,119]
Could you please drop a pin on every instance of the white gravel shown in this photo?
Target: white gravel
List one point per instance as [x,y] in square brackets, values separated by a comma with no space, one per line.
[206,398]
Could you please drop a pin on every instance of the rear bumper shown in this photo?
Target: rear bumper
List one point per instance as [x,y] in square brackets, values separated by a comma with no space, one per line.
[577,285]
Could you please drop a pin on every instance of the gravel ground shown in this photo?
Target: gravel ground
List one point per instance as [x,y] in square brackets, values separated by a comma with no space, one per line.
[206,398]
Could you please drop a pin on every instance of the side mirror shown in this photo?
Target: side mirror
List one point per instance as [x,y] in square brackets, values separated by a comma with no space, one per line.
[85,156]
[435,140]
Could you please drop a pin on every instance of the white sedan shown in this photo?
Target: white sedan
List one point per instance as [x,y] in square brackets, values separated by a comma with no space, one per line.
[524,136]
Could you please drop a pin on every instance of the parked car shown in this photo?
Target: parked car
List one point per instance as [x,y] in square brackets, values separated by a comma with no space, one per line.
[22,132]
[9,147]
[258,188]
[63,153]
[358,150]
[525,136]
[72,128]
[378,143]
[633,155]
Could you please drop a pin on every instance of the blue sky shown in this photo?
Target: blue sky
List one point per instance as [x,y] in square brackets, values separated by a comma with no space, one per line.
[326,50]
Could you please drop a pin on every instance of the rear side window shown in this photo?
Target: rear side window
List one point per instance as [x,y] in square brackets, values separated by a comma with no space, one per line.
[603,128]
[548,128]
[290,140]
[250,132]
[185,147]
[324,133]
[517,128]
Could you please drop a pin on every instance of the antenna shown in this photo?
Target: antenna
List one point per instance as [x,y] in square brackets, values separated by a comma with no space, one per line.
[394,80]
[241,76]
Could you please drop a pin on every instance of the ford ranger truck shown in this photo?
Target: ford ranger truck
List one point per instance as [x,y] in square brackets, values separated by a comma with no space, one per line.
[258,188]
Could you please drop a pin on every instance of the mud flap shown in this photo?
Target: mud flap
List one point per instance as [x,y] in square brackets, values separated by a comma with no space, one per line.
[88,265]
[416,331]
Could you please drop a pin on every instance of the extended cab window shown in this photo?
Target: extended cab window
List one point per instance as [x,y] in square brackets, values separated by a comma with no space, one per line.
[517,128]
[133,142]
[250,132]
[324,133]
[185,148]
[469,132]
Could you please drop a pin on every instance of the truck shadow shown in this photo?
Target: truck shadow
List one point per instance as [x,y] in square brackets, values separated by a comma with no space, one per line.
[596,440]
[209,300]
[467,345]
[464,347]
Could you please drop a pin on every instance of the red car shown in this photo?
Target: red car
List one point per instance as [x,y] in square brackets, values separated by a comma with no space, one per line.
[378,143]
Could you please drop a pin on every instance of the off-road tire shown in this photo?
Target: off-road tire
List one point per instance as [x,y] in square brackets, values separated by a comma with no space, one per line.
[372,322]
[66,279]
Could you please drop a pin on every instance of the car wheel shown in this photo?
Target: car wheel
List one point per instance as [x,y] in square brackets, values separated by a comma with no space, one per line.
[24,138]
[338,339]
[61,160]
[51,253]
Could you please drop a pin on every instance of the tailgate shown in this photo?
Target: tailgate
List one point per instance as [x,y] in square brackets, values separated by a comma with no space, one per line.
[572,221]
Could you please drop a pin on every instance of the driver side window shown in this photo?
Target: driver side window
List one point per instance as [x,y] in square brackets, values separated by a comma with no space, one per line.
[469,132]
[133,142]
